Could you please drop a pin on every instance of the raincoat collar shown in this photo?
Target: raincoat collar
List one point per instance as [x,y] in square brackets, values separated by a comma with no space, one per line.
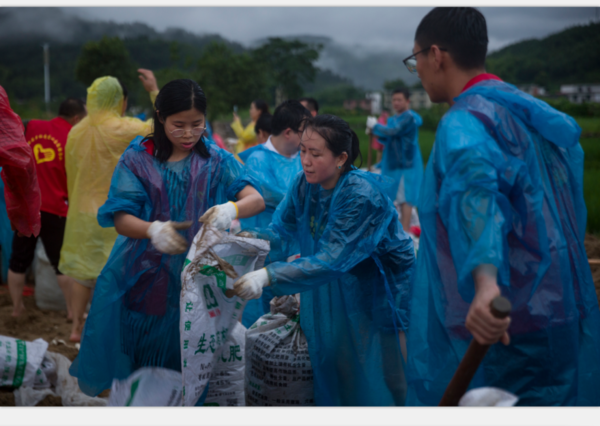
[479,78]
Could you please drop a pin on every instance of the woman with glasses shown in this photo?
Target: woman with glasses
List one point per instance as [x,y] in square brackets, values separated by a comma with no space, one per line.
[162,184]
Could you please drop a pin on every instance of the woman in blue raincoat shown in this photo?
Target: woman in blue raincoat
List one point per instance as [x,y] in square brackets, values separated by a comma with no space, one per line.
[160,181]
[402,159]
[354,275]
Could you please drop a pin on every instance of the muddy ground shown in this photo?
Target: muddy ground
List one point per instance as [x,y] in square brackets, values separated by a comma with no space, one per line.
[53,325]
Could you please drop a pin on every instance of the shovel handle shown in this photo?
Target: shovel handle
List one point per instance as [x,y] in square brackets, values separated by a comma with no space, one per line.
[463,375]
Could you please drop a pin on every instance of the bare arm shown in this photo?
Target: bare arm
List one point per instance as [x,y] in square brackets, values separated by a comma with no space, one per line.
[130,226]
[250,202]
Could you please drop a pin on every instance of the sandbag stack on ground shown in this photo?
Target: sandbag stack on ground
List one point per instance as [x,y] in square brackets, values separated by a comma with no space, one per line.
[278,368]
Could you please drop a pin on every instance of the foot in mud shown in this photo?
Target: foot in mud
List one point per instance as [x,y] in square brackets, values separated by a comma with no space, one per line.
[76,332]
[18,311]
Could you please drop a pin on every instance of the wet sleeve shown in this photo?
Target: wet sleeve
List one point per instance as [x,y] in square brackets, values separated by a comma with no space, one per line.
[399,127]
[258,169]
[126,194]
[282,232]
[356,225]
[471,206]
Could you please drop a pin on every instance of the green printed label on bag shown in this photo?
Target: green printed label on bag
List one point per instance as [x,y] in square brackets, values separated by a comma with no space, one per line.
[134,387]
[211,271]
[237,259]
[21,363]
[186,263]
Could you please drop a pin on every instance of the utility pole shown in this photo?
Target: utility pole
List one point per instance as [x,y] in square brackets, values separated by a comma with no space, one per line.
[46,47]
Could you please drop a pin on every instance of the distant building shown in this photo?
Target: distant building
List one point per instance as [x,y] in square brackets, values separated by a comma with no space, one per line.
[375,98]
[533,89]
[579,93]
[352,104]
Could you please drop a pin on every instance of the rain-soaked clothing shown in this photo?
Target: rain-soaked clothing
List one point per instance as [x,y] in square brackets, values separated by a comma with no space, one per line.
[6,234]
[134,318]
[21,190]
[354,277]
[93,149]
[401,160]
[503,186]
[274,173]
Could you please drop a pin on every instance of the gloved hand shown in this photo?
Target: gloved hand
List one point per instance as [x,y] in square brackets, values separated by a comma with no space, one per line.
[371,122]
[166,239]
[250,285]
[220,216]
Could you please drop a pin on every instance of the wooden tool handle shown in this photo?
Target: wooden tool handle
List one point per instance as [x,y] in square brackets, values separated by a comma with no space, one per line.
[463,375]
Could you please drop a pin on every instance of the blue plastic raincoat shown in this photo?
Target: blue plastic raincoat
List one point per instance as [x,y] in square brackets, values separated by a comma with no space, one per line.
[402,154]
[354,277]
[6,234]
[134,318]
[275,174]
[504,186]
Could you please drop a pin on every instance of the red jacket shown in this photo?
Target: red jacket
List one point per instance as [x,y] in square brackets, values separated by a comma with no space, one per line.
[21,190]
[48,140]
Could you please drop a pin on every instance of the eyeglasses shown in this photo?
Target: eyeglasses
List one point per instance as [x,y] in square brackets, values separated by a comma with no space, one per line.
[411,61]
[196,131]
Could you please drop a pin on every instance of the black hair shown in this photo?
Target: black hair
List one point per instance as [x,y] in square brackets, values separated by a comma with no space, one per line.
[263,123]
[72,107]
[262,106]
[123,87]
[312,103]
[289,114]
[176,96]
[461,30]
[403,90]
[339,137]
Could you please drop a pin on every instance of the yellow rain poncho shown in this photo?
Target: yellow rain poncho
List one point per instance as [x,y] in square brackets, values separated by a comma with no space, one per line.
[246,136]
[93,149]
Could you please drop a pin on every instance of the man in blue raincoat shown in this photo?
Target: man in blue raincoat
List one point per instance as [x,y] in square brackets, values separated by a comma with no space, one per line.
[402,159]
[502,212]
[274,165]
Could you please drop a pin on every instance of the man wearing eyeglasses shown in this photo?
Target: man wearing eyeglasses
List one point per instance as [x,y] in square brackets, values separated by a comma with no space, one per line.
[502,212]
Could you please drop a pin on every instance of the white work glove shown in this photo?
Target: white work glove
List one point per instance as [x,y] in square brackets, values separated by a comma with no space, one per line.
[220,216]
[166,239]
[371,122]
[250,285]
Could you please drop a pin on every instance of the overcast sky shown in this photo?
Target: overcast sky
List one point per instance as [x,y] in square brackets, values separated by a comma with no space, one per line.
[379,28]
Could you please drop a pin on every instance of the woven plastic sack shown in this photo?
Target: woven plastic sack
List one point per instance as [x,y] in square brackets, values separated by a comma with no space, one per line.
[147,387]
[209,310]
[226,387]
[48,294]
[278,370]
[20,362]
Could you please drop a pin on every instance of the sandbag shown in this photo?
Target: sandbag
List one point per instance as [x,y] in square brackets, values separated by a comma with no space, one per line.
[148,387]
[59,383]
[226,387]
[20,362]
[209,310]
[278,368]
[48,294]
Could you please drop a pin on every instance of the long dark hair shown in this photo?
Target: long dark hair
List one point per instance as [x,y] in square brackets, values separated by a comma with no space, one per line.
[261,105]
[176,96]
[338,135]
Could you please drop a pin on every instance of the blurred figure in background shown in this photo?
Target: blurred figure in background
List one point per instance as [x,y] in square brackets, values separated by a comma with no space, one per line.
[376,145]
[94,147]
[48,140]
[247,137]
[21,190]
[310,104]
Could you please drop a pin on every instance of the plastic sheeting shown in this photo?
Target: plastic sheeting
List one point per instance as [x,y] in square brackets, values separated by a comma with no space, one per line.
[275,174]
[354,277]
[134,318]
[503,186]
[402,154]
[6,234]
[21,191]
[246,136]
[93,148]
